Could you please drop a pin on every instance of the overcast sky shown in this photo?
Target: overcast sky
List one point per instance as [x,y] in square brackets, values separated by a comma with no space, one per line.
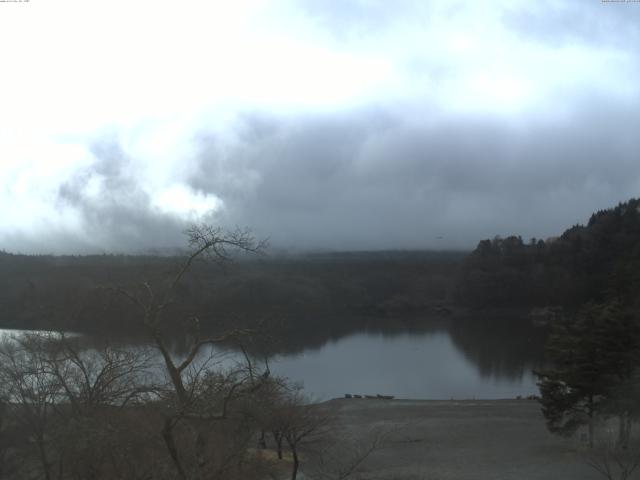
[350,124]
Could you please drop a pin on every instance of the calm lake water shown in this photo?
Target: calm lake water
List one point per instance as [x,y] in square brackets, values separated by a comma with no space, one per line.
[409,365]
[459,363]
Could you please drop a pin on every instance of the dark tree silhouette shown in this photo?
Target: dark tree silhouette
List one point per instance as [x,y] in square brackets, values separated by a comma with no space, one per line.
[593,360]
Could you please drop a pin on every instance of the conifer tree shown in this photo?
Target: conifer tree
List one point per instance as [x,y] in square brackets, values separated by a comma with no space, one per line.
[593,360]
[571,389]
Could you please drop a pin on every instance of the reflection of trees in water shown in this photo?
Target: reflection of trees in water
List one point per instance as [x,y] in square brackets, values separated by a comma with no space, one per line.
[499,346]
[313,334]
[292,336]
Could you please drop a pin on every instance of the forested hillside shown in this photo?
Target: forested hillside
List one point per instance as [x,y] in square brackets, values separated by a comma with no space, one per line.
[584,263]
[312,292]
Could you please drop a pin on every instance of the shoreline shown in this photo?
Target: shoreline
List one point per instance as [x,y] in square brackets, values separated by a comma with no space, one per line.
[450,399]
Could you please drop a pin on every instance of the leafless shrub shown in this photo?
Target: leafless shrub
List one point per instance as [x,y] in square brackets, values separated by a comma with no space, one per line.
[613,460]
[69,403]
[343,456]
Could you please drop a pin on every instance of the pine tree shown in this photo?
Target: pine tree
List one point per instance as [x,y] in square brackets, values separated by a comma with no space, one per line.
[619,334]
[593,362]
[571,390]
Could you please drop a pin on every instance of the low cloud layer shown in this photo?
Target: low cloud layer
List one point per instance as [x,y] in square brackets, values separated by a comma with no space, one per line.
[372,180]
[334,126]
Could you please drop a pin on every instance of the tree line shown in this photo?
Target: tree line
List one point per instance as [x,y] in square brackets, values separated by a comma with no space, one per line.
[583,264]
[35,291]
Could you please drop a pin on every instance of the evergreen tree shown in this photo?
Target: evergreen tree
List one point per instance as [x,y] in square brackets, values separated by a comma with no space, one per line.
[619,334]
[593,362]
[571,390]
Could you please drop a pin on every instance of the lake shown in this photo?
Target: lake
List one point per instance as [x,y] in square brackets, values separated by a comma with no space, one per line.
[479,360]
[407,365]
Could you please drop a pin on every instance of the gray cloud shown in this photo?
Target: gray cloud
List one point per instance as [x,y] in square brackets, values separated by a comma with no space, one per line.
[116,213]
[375,180]
[421,170]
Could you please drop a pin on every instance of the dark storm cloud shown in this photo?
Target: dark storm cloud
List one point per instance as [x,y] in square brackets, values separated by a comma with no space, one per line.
[375,180]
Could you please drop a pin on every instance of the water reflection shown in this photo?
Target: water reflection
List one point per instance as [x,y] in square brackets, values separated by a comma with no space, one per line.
[499,347]
[427,365]
[466,358]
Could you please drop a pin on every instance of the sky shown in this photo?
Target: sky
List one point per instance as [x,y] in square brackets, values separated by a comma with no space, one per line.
[351,124]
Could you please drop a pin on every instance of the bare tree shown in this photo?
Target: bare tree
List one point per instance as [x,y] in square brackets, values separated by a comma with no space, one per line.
[69,401]
[342,455]
[613,460]
[309,431]
[30,394]
[299,423]
[99,376]
[206,242]
[193,389]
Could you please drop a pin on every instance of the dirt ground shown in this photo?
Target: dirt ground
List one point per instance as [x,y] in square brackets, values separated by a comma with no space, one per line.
[462,440]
